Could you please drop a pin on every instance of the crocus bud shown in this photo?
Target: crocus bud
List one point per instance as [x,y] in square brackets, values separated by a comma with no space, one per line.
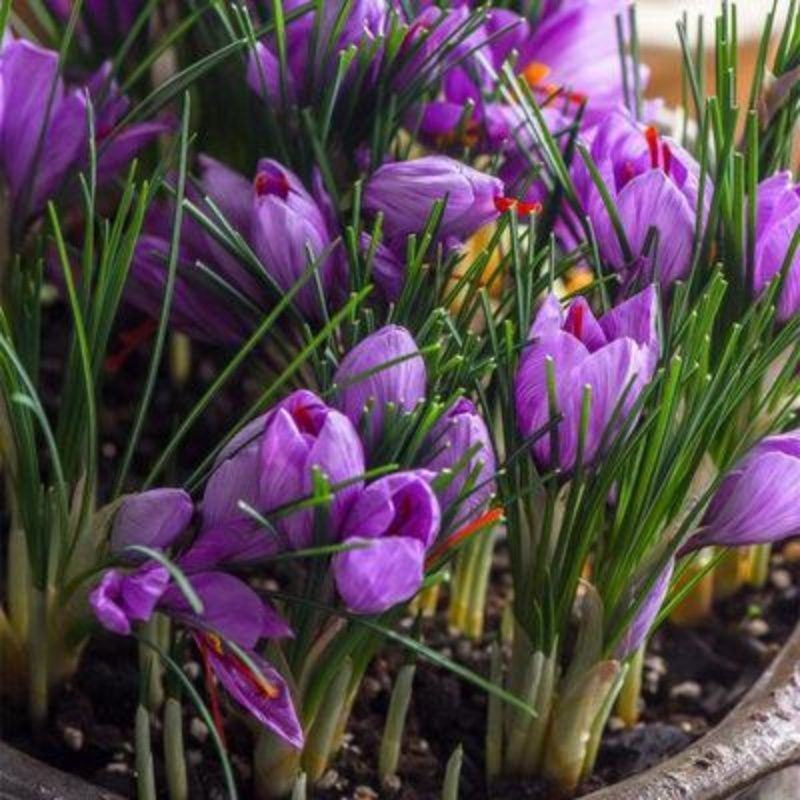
[290,233]
[615,356]
[758,501]
[460,443]
[153,519]
[647,612]
[777,221]
[405,192]
[390,527]
[120,599]
[383,369]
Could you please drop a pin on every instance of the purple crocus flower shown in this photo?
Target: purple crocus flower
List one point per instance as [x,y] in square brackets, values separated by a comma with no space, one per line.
[647,612]
[405,191]
[290,231]
[274,214]
[616,356]
[232,612]
[268,465]
[311,61]
[384,368]
[43,126]
[153,519]
[758,501]
[654,184]
[460,443]
[777,220]
[573,51]
[390,526]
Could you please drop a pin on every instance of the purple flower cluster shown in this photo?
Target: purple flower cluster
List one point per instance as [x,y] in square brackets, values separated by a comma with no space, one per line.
[385,527]
[44,128]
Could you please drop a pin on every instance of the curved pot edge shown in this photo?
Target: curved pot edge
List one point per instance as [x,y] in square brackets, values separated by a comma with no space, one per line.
[25,778]
[760,736]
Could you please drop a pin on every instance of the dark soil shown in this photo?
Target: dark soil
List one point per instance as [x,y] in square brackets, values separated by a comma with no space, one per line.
[692,678]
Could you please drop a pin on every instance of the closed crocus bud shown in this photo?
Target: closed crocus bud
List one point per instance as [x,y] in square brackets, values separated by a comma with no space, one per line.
[153,519]
[289,233]
[615,356]
[460,443]
[405,191]
[654,184]
[647,612]
[777,221]
[120,599]
[758,501]
[390,526]
[382,370]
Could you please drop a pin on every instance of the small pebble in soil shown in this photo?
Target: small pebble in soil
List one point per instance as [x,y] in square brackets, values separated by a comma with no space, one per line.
[365,793]
[198,730]
[328,780]
[73,738]
[194,757]
[118,768]
[781,579]
[687,690]
[392,783]
[756,627]
[192,670]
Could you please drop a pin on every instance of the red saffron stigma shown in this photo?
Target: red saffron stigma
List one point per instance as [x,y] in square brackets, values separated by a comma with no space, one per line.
[523,208]
[651,134]
[489,518]
[574,323]
[211,689]
[269,183]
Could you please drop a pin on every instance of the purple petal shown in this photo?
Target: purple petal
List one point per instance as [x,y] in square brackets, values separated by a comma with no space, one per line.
[230,608]
[265,696]
[367,378]
[120,599]
[378,576]
[648,611]
[153,519]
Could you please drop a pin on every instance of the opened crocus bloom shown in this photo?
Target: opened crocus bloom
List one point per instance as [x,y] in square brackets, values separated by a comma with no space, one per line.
[615,356]
[270,465]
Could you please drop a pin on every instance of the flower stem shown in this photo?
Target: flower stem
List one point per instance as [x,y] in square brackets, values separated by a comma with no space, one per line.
[174,755]
[323,730]
[480,585]
[629,700]
[494,717]
[759,565]
[145,775]
[395,723]
[276,767]
[38,658]
[150,665]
